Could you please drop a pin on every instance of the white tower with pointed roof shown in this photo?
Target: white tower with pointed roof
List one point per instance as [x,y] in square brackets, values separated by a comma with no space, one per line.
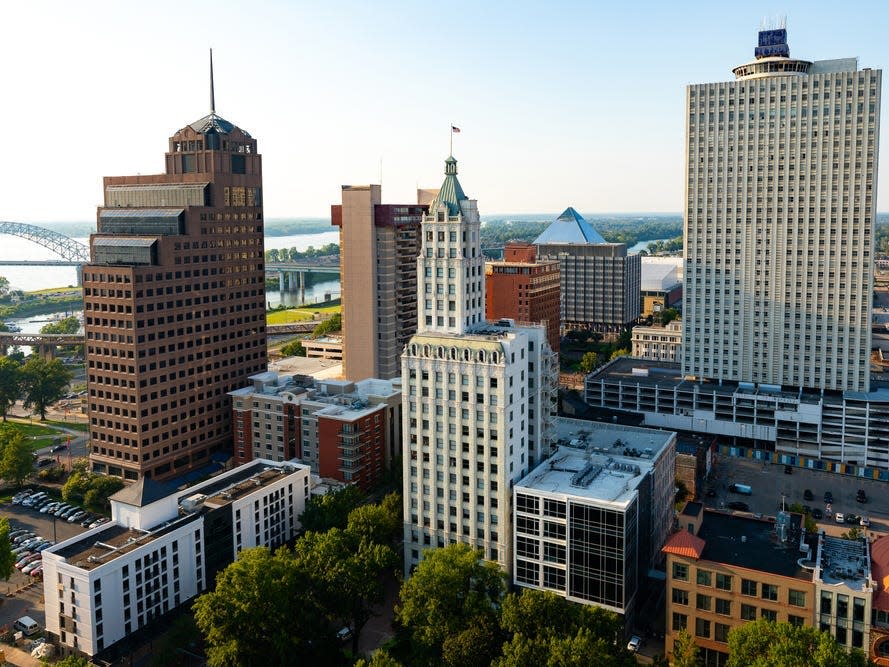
[451,270]
[478,397]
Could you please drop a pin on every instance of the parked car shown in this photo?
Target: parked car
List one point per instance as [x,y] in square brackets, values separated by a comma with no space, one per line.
[27,535]
[42,463]
[59,448]
[98,522]
[32,500]
[344,634]
[807,495]
[865,521]
[14,534]
[828,498]
[45,545]
[852,518]
[20,496]
[87,520]
[634,644]
[817,514]
[839,517]
[33,565]
[60,511]
[738,505]
[37,571]
[861,496]
[788,470]
[52,506]
[76,516]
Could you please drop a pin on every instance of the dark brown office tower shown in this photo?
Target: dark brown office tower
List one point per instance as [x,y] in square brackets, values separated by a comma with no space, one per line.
[174,304]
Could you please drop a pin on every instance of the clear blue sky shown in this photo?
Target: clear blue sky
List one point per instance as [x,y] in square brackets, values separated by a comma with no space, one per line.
[560,103]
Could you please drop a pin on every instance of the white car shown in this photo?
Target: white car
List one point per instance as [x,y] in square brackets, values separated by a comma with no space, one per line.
[839,518]
[634,644]
[864,521]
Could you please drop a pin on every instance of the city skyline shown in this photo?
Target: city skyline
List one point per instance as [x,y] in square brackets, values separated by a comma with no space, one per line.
[558,106]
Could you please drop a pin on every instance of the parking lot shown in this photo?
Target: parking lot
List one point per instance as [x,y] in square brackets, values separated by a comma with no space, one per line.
[770,485]
[24,595]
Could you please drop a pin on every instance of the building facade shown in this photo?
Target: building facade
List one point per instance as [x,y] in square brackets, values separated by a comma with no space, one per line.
[347,431]
[478,398]
[591,520]
[162,548]
[174,304]
[379,245]
[781,171]
[600,282]
[658,343]
[724,570]
[522,289]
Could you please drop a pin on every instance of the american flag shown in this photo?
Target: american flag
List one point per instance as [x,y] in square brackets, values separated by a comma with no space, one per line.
[455,129]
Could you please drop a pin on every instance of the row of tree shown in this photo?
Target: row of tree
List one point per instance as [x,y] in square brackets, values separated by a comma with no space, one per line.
[89,488]
[37,382]
[294,255]
[619,229]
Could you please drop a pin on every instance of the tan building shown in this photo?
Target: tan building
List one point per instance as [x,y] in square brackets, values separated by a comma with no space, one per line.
[379,245]
[327,347]
[658,343]
[174,304]
[724,570]
[780,206]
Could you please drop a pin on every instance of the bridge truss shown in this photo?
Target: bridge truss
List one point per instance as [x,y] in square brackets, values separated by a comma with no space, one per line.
[64,246]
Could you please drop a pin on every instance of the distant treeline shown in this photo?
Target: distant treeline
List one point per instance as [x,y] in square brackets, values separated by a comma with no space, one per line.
[290,226]
[881,233]
[292,254]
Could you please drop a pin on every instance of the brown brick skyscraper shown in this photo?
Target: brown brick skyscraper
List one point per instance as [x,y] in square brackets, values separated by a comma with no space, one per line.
[174,304]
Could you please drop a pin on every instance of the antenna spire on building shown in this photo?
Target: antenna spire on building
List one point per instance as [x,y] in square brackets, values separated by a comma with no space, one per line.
[212,90]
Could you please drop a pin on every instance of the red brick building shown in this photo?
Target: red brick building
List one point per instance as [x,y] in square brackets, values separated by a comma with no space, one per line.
[348,431]
[523,289]
[174,304]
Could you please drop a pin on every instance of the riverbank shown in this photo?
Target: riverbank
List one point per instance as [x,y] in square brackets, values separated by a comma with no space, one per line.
[46,301]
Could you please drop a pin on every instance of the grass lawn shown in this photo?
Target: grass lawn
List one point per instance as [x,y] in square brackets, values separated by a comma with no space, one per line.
[74,426]
[303,314]
[38,436]
[57,290]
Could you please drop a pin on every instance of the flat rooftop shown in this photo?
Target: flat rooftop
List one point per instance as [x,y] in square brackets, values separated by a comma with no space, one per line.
[753,543]
[843,562]
[602,462]
[104,544]
[240,482]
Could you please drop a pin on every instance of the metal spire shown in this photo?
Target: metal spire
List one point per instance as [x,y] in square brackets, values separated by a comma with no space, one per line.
[212,91]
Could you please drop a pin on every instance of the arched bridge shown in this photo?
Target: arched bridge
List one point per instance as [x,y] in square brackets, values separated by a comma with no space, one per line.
[72,252]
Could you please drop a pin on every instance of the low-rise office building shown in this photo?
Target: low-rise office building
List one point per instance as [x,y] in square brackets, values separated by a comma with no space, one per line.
[163,547]
[590,521]
[724,570]
[658,343]
[348,431]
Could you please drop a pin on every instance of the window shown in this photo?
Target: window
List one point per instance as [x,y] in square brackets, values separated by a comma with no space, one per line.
[769,614]
[702,628]
[796,598]
[748,587]
[680,571]
[798,621]
[704,602]
[723,582]
[748,612]
[705,578]
[680,622]
[680,596]
[720,632]
[723,606]
[770,592]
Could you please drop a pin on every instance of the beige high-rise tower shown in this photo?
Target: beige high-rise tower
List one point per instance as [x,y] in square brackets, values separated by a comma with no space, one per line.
[379,244]
[780,196]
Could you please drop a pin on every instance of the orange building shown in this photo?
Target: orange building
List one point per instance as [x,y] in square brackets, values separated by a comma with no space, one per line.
[522,289]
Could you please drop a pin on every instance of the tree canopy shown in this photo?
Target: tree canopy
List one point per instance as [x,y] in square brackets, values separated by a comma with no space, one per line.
[330,325]
[43,383]
[765,643]
[10,383]
[68,325]
[330,510]
[88,487]
[16,460]
[7,558]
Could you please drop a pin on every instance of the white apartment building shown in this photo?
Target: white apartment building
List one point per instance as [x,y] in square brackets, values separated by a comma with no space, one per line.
[162,548]
[478,398]
[780,206]
[658,343]
[591,520]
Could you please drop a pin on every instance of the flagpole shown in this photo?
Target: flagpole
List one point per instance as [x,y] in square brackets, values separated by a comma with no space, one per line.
[452,140]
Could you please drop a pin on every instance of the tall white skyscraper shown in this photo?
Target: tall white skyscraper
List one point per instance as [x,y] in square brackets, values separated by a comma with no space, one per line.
[780,197]
[479,397]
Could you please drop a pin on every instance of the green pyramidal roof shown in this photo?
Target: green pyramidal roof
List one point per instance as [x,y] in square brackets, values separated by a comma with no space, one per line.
[450,194]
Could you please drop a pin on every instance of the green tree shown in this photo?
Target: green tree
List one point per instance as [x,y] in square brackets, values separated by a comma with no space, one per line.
[376,523]
[330,510]
[853,533]
[10,384]
[477,646]
[348,574]
[272,255]
[589,361]
[68,325]
[7,558]
[380,658]
[452,589]
[16,460]
[764,643]
[330,325]
[43,383]
[668,315]
[263,611]
[685,652]
[72,661]
[620,352]
[293,349]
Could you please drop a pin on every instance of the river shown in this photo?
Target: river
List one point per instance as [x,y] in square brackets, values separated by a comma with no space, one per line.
[31,278]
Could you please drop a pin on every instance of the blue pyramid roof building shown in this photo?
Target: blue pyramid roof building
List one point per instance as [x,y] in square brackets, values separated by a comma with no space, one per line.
[570,227]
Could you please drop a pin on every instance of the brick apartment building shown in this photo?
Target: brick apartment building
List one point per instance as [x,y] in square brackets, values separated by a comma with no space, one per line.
[524,289]
[348,431]
[174,304]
